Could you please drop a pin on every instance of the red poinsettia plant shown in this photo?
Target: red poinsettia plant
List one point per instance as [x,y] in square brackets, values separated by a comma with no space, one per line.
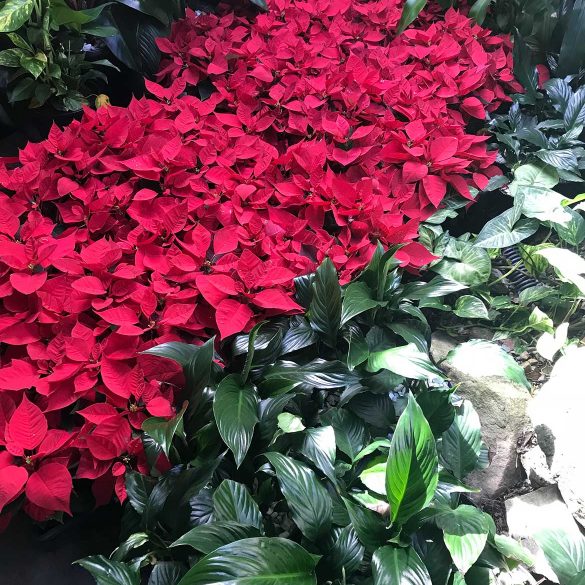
[181,217]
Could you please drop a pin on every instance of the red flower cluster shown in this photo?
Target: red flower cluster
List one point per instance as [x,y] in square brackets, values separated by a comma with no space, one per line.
[177,218]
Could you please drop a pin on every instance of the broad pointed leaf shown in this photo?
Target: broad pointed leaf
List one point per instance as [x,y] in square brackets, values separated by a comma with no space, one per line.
[233,503]
[208,537]
[399,566]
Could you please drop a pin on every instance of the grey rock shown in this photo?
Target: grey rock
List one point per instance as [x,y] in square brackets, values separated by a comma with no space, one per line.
[529,513]
[502,409]
[556,413]
[536,467]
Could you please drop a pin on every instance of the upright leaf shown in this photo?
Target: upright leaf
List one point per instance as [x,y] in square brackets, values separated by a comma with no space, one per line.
[357,299]
[255,561]
[410,11]
[307,498]
[235,408]
[461,443]
[319,446]
[399,566]
[412,471]
[325,309]
[232,502]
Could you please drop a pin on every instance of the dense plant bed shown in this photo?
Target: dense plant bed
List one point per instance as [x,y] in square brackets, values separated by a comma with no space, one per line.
[177,218]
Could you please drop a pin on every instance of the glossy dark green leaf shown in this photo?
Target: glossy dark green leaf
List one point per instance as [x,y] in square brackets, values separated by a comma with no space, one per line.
[461,443]
[164,11]
[524,68]
[134,541]
[357,299]
[308,500]
[167,573]
[428,543]
[345,555]
[235,408]
[319,447]
[177,351]
[575,112]
[399,566]
[412,471]
[437,409]
[304,289]
[410,11]
[208,537]
[107,572]
[572,53]
[255,561]
[298,336]
[377,410]
[163,430]
[369,526]
[465,532]
[358,350]
[351,434]
[138,489]
[479,10]
[232,502]
[325,309]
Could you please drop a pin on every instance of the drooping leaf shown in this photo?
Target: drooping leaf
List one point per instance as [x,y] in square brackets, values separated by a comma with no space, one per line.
[357,299]
[233,503]
[565,551]
[351,434]
[235,408]
[344,557]
[325,309]
[392,565]
[208,537]
[369,526]
[307,498]
[465,531]
[437,409]
[14,14]
[503,231]
[412,471]
[255,561]
[406,360]
[107,572]
[319,446]
[138,489]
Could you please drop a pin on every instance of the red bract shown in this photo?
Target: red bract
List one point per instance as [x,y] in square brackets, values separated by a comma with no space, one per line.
[178,218]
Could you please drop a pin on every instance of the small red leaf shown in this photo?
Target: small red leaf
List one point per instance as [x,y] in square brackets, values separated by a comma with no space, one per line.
[232,317]
[12,480]
[27,283]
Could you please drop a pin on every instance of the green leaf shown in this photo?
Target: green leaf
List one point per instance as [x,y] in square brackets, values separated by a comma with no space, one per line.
[138,489]
[235,409]
[437,409]
[358,350]
[564,158]
[107,572]
[461,443]
[374,475]
[208,537]
[163,430]
[233,503]
[11,57]
[167,573]
[63,15]
[357,299]
[251,349]
[512,549]
[524,69]
[290,423]
[14,14]
[177,351]
[325,309]
[572,53]
[350,432]
[164,11]
[23,90]
[308,500]
[504,231]
[134,541]
[464,263]
[369,526]
[406,360]
[399,566]
[319,447]
[483,358]
[255,561]
[371,448]
[299,335]
[261,4]
[470,307]
[479,10]
[345,555]
[412,471]
[575,112]
[565,552]
[410,11]
[465,531]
